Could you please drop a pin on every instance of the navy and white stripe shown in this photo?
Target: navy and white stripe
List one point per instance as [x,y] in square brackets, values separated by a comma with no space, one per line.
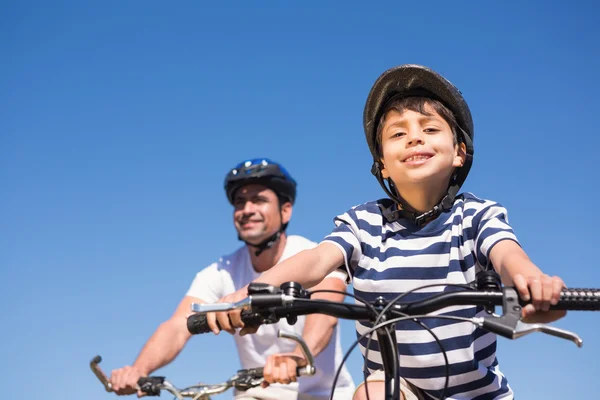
[389,258]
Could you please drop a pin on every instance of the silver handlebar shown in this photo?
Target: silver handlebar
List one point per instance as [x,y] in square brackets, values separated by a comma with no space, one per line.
[203,391]
[309,368]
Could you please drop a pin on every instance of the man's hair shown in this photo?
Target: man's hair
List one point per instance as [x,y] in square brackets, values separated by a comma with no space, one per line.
[417,104]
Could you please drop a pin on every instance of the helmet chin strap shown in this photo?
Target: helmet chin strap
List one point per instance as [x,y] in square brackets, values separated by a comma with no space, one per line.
[265,244]
[395,213]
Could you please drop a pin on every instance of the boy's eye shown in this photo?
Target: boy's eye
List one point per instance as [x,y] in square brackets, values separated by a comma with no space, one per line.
[397,134]
[431,130]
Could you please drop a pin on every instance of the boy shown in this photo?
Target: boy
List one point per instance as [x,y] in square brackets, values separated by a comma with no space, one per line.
[419,130]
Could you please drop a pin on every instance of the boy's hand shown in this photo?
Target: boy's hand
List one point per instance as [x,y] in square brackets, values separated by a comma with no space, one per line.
[543,291]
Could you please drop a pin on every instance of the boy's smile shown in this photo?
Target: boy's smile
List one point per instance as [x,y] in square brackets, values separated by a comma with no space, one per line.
[417,158]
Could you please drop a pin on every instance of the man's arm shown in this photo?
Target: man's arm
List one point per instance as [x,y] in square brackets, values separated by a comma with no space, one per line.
[318,328]
[162,348]
[317,333]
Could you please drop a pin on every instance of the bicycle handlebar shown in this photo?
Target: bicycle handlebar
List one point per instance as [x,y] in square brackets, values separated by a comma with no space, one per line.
[290,300]
[268,304]
[151,385]
[243,380]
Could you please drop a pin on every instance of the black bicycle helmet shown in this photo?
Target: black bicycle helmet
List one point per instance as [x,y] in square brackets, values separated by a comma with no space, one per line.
[264,172]
[416,80]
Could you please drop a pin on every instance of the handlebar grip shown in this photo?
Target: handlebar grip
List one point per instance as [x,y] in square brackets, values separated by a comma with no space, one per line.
[254,372]
[197,323]
[576,299]
[151,385]
[258,372]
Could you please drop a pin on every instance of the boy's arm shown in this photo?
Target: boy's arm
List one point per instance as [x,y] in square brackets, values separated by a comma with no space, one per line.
[515,268]
[308,268]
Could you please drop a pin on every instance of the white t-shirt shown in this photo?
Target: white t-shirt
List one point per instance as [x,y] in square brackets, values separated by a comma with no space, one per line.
[233,272]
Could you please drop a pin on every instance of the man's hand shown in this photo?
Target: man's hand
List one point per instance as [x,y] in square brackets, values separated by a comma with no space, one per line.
[281,368]
[229,321]
[543,291]
[124,380]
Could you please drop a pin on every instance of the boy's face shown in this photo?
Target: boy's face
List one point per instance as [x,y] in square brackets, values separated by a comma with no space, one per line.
[419,151]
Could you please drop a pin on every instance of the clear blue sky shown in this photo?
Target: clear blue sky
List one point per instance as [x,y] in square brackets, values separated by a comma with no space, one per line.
[120,119]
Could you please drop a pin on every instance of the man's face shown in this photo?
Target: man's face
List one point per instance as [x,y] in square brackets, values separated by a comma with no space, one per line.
[257,214]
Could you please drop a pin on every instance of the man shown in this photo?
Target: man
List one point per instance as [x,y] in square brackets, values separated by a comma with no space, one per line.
[262,193]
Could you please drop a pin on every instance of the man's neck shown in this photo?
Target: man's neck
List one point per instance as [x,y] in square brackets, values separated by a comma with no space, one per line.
[268,258]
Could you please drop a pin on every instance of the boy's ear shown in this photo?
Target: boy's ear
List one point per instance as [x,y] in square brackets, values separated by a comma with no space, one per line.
[384,172]
[461,155]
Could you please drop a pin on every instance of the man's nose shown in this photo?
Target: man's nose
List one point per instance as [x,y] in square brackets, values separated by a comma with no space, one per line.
[249,207]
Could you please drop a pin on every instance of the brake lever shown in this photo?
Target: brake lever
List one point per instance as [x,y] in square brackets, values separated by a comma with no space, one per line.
[245,380]
[523,329]
[510,326]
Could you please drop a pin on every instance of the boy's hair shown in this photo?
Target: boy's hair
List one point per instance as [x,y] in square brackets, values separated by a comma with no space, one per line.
[417,104]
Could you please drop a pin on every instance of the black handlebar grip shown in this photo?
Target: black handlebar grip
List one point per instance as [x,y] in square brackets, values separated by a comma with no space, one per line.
[196,323]
[151,385]
[576,299]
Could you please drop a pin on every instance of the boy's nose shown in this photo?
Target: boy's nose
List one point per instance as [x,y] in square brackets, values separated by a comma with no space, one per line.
[415,136]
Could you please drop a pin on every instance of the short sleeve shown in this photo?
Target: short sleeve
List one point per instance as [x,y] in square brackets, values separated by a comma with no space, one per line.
[346,237]
[208,285]
[492,227]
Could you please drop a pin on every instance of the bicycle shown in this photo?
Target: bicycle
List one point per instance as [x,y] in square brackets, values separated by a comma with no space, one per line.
[267,304]
[243,379]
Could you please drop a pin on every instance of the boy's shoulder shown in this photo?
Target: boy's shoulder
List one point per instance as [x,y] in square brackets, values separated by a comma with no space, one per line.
[373,208]
[469,197]
[376,212]
[469,200]
[377,206]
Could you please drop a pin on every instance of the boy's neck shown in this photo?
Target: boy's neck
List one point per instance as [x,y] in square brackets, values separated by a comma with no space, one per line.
[421,199]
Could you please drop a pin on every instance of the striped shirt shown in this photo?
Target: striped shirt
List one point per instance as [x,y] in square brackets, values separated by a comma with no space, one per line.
[389,258]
